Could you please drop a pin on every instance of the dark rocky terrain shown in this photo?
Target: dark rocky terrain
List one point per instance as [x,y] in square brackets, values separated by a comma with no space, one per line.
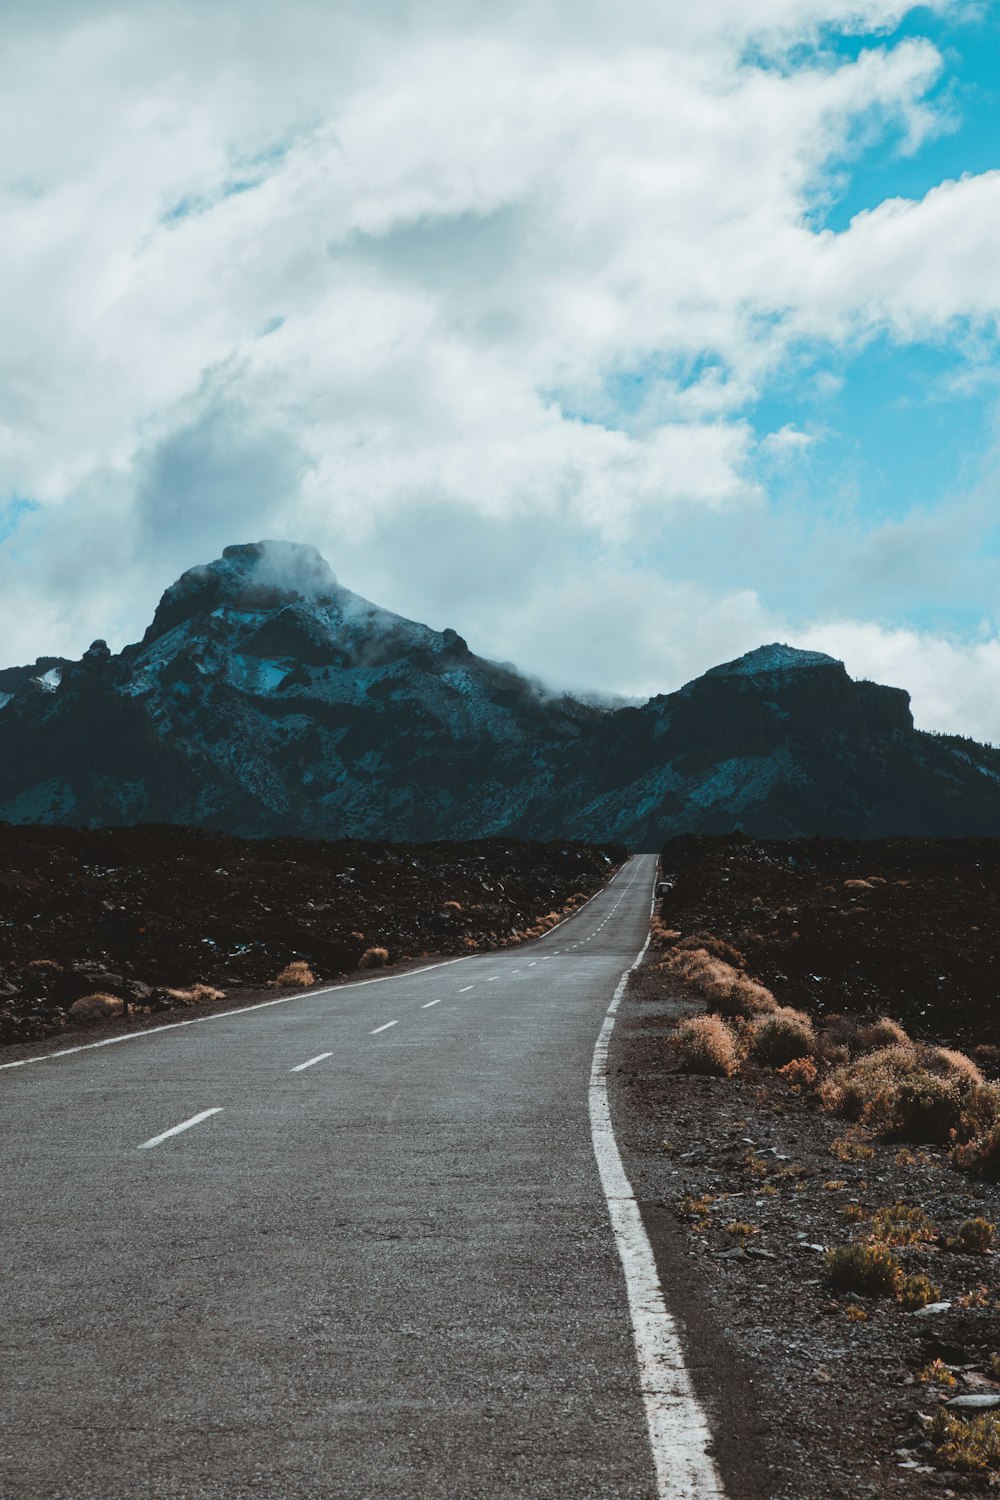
[917,940]
[266,700]
[814,1394]
[232,913]
[822,1388]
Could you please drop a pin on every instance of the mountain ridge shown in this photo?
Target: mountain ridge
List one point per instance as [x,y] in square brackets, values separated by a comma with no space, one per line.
[266,699]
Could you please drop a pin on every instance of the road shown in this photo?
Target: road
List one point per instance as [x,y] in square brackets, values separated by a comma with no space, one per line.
[382,1267]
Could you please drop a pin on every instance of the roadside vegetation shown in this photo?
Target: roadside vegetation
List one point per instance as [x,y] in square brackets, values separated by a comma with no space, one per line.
[891,1109]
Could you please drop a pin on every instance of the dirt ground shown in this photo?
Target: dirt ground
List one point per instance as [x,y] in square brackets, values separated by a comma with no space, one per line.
[233,912]
[919,943]
[745,1182]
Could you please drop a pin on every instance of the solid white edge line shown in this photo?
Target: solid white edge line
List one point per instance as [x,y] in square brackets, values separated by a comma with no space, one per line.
[176,1129]
[383,1028]
[679,1433]
[320,1057]
[242,1010]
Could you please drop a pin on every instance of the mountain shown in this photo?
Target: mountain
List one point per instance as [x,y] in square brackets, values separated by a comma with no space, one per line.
[265,699]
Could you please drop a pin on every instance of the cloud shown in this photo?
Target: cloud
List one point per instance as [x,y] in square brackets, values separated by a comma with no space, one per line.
[411,280]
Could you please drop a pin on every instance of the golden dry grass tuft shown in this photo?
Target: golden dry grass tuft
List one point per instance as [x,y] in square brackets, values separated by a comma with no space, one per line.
[914,1092]
[297,973]
[916,1291]
[801,1072]
[196,994]
[972,1447]
[705,1044]
[660,935]
[451,906]
[716,947]
[980,1157]
[374,958]
[780,1037]
[882,1033]
[974,1237]
[91,1010]
[726,990]
[936,1372]
[869,1270]
[899,1224]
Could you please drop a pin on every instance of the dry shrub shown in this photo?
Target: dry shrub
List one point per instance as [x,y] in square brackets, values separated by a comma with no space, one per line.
[876,880]
[706,1045]
[936,1372]
[662,936]
[44,963]
[857,885]
[780,1037]
[726,990]
[717,947]
[980,1111]
[852,1146]
[870,1270]
[917,1093]
[902,1225]
[297,973]
[951,1064]
[841,1035]
[202,992]
[882,1033]
[801,1071]
[743,996]
[374,958]
[980,1157]
[917,1290]
[91,1010]
[974,1237]
[195,995]
[451,906]
[972,1446]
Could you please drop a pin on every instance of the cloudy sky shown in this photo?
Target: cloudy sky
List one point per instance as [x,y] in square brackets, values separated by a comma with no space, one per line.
[619,337]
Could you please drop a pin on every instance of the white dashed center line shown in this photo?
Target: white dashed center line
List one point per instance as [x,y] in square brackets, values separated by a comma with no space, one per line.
[176,1129]
[465,989]
[383,1028]
[430,1003]
[320,1057]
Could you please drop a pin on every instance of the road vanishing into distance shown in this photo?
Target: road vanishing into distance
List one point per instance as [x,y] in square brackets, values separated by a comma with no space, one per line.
[351,1245]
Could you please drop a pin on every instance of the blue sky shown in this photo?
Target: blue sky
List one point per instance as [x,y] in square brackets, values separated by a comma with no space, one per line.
[621,340]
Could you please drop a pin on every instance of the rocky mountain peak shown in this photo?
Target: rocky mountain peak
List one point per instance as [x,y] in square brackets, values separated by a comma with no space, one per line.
[267,699]
[774,658]
[251,576]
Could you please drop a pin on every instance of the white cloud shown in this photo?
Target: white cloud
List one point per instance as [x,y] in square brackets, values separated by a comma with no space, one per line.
[954,686]
[326,271]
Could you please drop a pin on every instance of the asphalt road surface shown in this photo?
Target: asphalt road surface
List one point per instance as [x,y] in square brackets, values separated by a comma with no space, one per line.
[382,1267]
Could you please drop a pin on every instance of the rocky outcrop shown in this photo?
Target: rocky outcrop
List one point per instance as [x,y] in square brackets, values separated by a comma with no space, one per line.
[265,699]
